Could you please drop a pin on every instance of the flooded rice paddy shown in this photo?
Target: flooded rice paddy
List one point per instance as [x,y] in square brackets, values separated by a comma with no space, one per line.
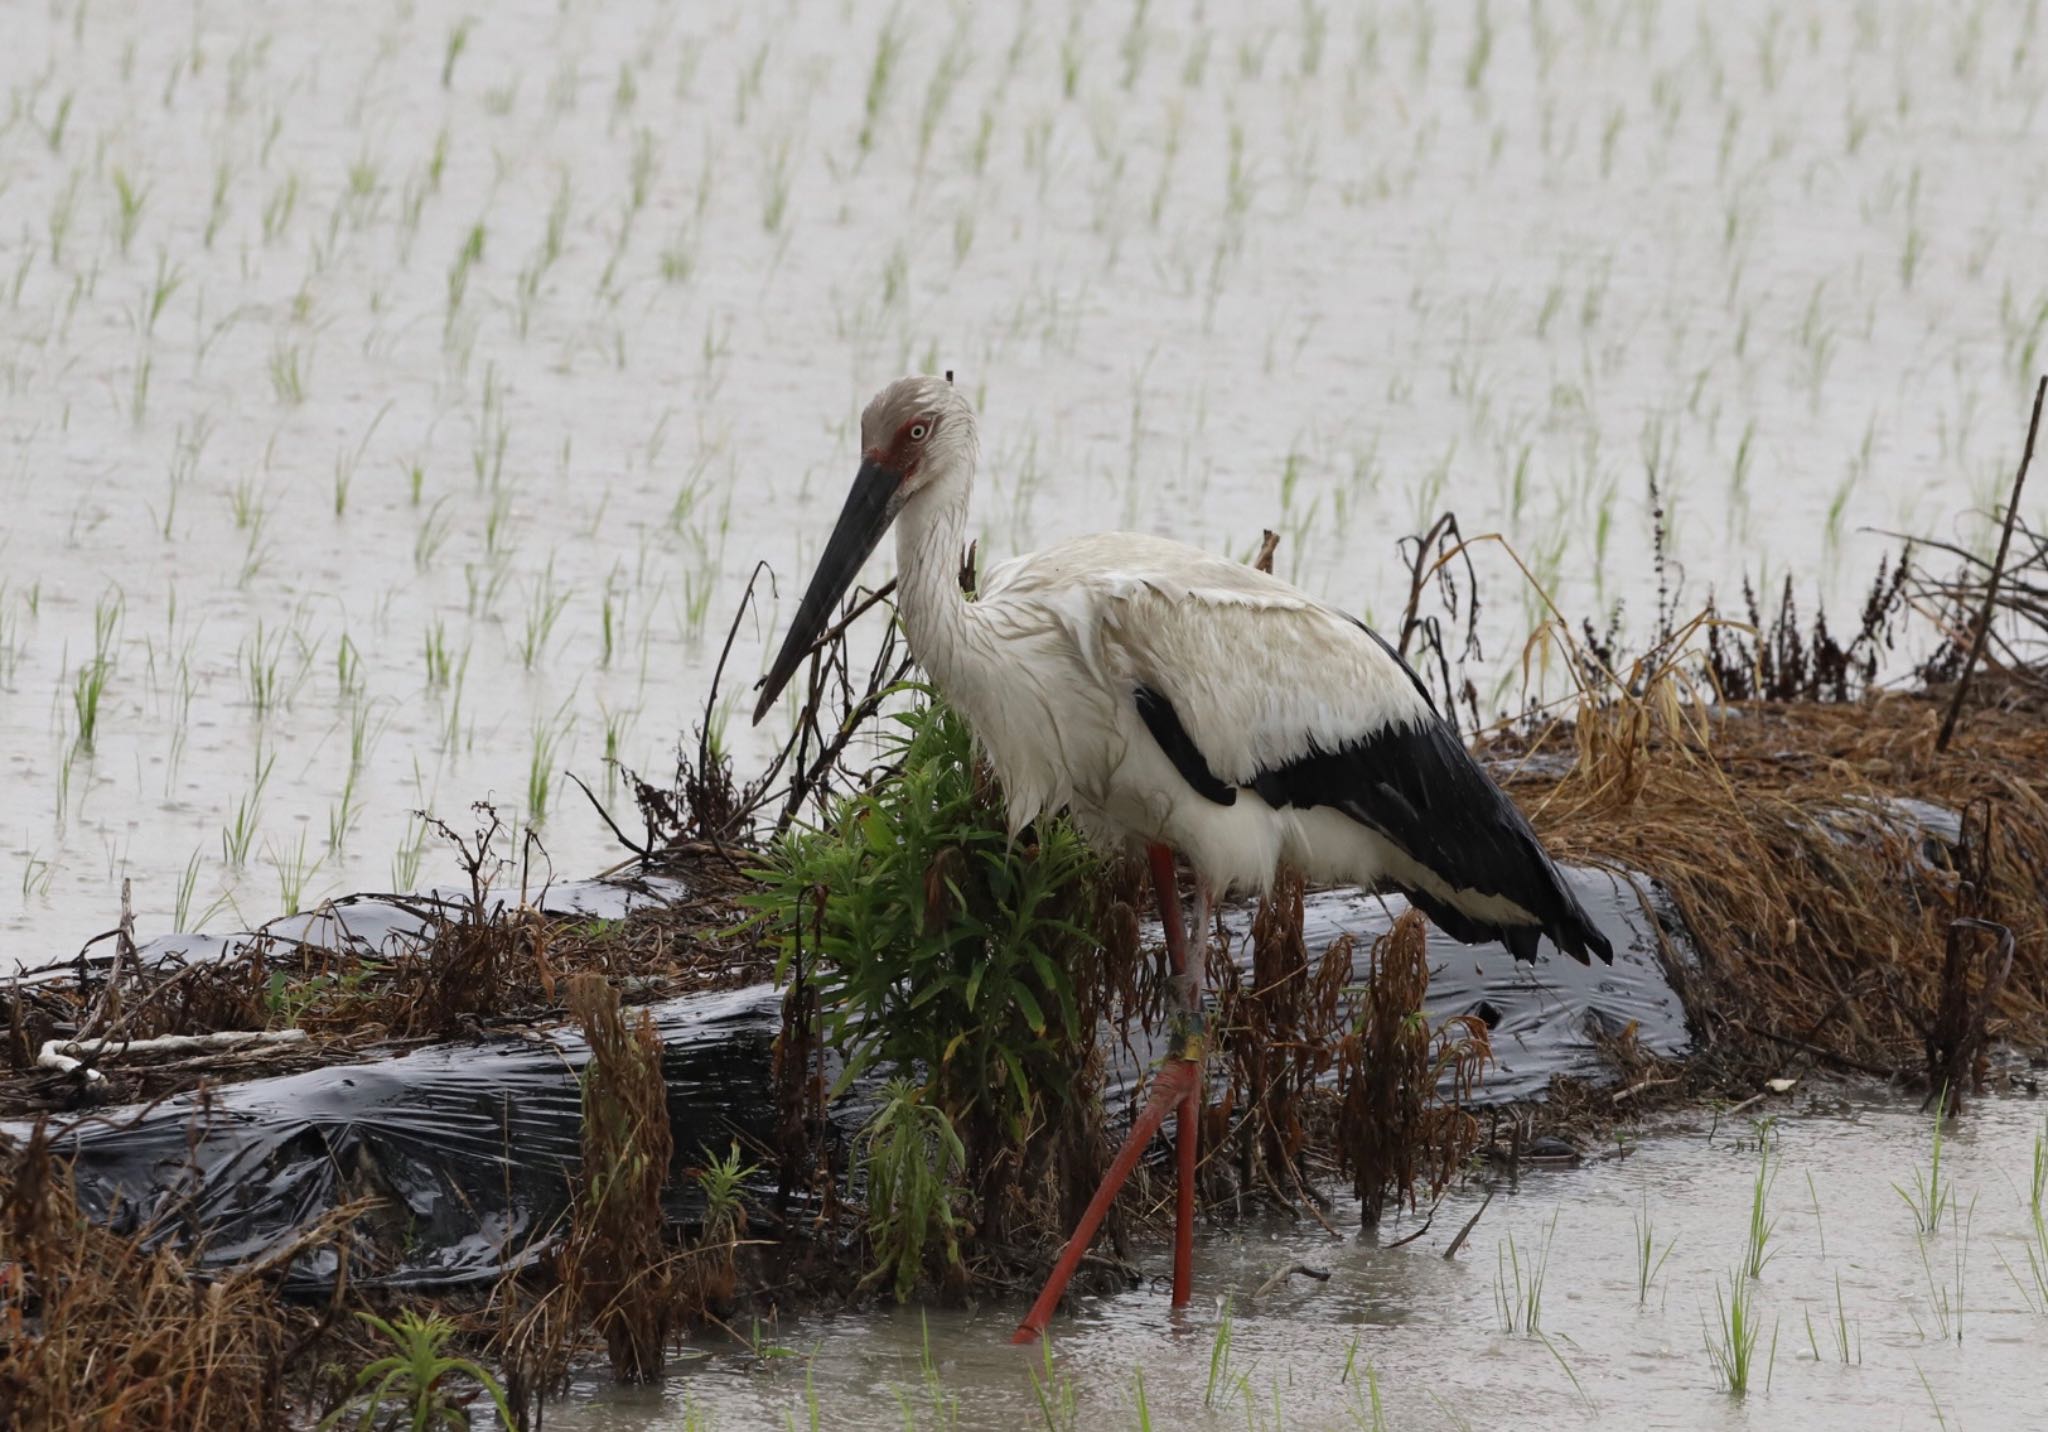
[1862,1320]
[395,399]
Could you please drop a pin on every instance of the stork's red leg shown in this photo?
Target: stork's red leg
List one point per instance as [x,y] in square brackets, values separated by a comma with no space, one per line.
[1187,1049]
[1168,1092]
[1177,1089]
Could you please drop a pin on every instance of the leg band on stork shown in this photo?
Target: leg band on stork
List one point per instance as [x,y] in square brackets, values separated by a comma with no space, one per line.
[1176,1089]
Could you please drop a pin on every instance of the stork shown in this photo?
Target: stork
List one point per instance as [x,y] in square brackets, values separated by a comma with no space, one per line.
[1183,705]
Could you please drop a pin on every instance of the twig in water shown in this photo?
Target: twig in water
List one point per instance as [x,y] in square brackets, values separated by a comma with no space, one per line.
[1624,1095]
[1470,1224]
[1321,1275]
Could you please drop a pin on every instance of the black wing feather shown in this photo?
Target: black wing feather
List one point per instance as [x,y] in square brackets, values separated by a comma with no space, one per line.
[1419,787]
[1173,738]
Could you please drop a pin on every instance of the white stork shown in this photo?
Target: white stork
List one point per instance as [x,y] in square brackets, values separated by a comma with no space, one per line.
[1176,701]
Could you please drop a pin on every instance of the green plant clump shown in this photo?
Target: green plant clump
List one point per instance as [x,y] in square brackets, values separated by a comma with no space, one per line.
[413,1375]
[943,950]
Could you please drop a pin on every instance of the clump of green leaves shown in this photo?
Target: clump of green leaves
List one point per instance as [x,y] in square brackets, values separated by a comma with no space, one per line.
[944,952]
[911,1156]
[414,1376]
[936,944]
[723,1181]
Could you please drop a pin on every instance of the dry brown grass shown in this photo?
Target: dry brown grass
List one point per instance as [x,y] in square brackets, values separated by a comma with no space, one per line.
[616,1258]
[98,1330]
[481,964]
[1819,924]
[1402,1085]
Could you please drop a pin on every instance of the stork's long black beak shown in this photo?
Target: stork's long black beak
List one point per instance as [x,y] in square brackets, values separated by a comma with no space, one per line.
[870,508]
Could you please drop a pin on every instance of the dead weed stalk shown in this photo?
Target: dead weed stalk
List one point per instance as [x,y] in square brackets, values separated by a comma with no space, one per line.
[615,1257]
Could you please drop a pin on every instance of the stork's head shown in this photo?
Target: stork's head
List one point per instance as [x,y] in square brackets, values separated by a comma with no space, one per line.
[917,431]
[917,440]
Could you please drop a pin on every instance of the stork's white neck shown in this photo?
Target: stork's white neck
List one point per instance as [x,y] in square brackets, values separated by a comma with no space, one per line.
[930,536]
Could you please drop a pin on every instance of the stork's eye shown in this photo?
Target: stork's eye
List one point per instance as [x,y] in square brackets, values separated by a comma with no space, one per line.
[918,431]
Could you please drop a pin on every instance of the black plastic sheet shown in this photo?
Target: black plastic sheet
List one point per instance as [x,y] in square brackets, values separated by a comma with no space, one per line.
[468,1150]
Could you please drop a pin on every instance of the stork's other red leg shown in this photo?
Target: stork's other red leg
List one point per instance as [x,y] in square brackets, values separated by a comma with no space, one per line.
[1186,1007]
[1176,1089]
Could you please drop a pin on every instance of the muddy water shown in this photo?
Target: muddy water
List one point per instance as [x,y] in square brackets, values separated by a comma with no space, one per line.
[1940,1332]
[394,398]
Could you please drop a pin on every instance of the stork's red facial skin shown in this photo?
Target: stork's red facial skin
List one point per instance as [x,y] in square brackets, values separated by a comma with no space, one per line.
[904,452]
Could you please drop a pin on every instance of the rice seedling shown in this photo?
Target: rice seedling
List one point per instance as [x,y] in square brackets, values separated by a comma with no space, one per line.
[616,726]
[1649,1260]
[466,258]
[1362,1402]
[888,50]
[169,277]
[10,640]
[1940,1420]
[439,657]
[2037,1186]
[271,674]
[343,814]
[1731,1342]
[181,904]
[548,736]
[1054,1391]
[432,534]
[451,52]
[678,257]
[2033,1290]
[295,868]
[290,367]
[62,211]
[53,132]
[544,607]
[36,876]
[1945,1296]
[940,1401]
[130,200]
[1839,1332]
[611,622]
[498,527]
[700,585]
[1762,1223]
[88,689]
[451,713]
[1931,1193]
[1219,1356]
[279,208]
[1518,1285]
[1481,53]
[240,832]
[217,202]
[405,860]
[814,1412]
[347,461]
